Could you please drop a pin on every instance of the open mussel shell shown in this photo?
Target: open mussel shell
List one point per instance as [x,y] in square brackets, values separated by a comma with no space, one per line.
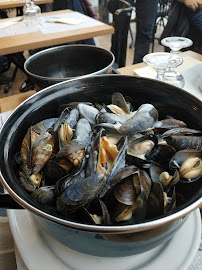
[189,164]
[56,169]
[67,116]
[117,165]
[118,211]
[125,192]
[119,100]
[92,213]
[98,212]
[75,149]
[161,154]
[142,145]
[123,173]
[168,178]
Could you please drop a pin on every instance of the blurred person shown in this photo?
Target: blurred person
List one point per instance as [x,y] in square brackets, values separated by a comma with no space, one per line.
[185,20]
[146,11]
[194,13]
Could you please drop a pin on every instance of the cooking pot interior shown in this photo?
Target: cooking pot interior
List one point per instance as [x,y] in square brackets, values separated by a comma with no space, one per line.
[69,61]
[168,99]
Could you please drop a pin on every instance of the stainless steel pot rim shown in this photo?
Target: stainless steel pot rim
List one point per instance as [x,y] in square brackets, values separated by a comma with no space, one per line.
[68,78]
[95,228]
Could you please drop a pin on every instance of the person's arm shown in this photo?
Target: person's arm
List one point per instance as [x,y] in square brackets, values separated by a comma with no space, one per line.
[193,4]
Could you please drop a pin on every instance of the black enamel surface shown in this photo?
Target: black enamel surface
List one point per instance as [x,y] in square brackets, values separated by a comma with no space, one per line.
[61,63]
[167,99]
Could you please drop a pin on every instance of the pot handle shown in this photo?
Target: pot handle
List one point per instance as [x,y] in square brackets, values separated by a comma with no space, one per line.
[6,201]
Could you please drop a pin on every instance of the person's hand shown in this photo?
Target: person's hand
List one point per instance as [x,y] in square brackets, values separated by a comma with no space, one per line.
[193,4]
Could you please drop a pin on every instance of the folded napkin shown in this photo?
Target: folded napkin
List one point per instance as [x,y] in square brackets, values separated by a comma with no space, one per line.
[66,20]
[7,24]
[148,72]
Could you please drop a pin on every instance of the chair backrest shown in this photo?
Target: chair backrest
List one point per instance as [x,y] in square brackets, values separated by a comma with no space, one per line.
[163,8]
[121,11]
[113,5]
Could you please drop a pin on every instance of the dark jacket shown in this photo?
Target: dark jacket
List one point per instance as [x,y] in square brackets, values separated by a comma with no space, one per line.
[88,9]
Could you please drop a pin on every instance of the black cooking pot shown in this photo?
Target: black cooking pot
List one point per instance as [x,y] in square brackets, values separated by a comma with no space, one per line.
[92,239]
[66,62]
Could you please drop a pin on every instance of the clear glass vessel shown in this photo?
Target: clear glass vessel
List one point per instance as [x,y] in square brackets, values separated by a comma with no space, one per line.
[165,64]
[176,43]
[32,13]
[171,75]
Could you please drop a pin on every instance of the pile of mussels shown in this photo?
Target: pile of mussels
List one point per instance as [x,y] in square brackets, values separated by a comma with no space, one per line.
[109,164]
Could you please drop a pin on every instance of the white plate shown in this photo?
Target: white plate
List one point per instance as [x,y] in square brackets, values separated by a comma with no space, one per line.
[41,251]
[192,78]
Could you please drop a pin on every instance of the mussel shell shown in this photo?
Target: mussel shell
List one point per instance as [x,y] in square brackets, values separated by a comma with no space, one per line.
[184,142]
[118,164]
[141,146]
[25,180]
[47,125]
[108,127]
[106,117]
[161,154]
[169,123]
[80,192]
[138,162]
[155,171]
[145,183]
[62,184]
[41,151]
[88,112]
[97,207]
[181,131]
[91,167]
[125,192]
[143,120]
[44,195]
[122,174]
[119,100]
[180,157]
[82,139]
[53,171]
[118,212]
[155,203]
